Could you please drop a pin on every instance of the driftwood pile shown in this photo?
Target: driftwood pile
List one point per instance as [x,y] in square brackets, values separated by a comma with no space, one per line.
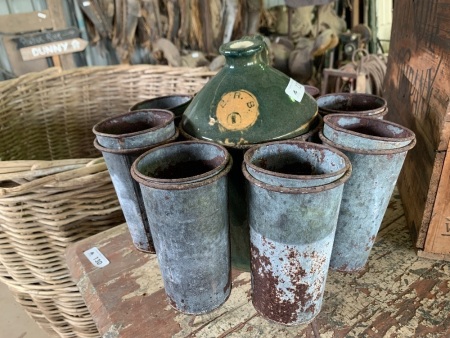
[190,32]
[192,25]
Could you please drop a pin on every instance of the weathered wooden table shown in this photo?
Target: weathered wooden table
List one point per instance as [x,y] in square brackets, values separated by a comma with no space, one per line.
[397,295]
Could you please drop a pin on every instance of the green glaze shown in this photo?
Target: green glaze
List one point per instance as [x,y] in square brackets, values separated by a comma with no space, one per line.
[255,92]
[246,103]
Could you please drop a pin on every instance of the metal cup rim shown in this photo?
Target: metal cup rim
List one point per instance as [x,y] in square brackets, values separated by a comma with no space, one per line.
[182,183]
[340,172]
[170,120]
[328,121]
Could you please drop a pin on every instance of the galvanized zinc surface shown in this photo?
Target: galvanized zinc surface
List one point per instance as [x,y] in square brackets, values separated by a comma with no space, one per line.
[130,199]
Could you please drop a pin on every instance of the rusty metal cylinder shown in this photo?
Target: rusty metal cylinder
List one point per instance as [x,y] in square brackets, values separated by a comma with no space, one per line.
[292,228]
[136,129]
[358,104]
[184,188]
[176,103]
[296,164]
[121,139]
[377,150]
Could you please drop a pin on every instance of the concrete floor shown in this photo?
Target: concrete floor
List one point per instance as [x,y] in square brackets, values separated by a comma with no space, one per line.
[14,321]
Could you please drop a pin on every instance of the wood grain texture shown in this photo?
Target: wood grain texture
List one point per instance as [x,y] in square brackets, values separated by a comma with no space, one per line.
[438,237]
[417,88]
[398,294]
[25,22]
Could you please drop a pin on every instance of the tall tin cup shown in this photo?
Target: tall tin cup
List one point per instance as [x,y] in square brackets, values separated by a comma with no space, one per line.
[184,189]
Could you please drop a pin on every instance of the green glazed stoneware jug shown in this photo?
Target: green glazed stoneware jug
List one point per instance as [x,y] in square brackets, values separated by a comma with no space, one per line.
[246,103]
[249,101]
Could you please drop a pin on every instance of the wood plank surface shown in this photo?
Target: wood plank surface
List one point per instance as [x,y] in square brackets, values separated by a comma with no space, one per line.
[398,294]
[418,183]
[25,22]
[417,81]
[438,236]
[417,88]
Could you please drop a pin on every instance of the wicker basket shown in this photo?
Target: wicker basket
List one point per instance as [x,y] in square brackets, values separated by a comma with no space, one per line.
[54,186]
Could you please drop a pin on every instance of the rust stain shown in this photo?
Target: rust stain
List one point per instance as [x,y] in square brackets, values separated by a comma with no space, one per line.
[423,288]
[265,294]
[267,298]
[405,308]
[293,262]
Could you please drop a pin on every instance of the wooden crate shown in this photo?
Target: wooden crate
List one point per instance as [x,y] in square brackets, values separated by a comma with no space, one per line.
[417,88]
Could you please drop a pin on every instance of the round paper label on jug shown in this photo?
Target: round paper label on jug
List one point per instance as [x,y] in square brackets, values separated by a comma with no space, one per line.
[237,110]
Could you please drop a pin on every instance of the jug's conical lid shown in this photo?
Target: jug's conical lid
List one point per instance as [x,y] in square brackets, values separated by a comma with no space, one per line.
[249,101]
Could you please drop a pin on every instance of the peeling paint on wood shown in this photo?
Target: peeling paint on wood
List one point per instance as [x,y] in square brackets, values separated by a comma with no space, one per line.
[398,294]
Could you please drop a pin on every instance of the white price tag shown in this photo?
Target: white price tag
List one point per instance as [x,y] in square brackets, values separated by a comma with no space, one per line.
[96,257]
[295,90]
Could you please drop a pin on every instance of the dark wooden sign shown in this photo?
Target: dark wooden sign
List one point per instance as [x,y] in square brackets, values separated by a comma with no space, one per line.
[28,40]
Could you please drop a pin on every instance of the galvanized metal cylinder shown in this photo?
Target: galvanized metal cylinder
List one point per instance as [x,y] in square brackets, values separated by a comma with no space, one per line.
[367,193]
[291,238]
[296,164]
[237,208]
[359,104]
[184,188]
[135,129]
[119,134]
[365,133]
[176,103]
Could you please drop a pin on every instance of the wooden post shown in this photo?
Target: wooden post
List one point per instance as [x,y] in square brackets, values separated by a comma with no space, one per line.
[355,13]
[59,22]
[56,60]
[438,236]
